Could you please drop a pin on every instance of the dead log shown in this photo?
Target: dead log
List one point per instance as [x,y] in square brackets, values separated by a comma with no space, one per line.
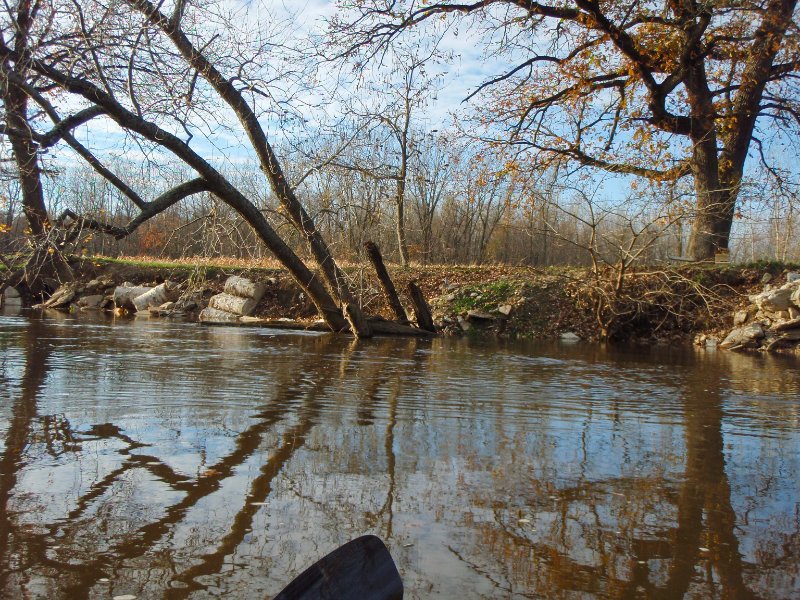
[389,291]
[422,311]
[384,327]
[155,297]
[61,298]
[786,325]
[244,288]
[123,295]
[358,324]
[213,315]
[237,305]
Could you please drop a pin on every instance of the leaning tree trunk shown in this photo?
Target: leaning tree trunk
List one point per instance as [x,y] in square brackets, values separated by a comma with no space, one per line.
[335,278]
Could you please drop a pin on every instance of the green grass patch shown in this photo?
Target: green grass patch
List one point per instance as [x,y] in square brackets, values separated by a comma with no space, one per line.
[484,296]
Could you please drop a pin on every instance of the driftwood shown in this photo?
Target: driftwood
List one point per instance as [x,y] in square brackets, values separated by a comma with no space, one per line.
[61,298]
[389,291]
[213,315]
[244,288]
[421,309]
[786,325]
[237,305]
[124,296]
[155,297]
[274,324]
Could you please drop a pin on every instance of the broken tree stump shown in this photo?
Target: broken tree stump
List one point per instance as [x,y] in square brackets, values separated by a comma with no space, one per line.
[422,311]
[389,291]
[358,324]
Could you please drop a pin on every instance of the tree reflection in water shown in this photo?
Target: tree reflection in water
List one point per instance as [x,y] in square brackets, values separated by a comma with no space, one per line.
[181,462]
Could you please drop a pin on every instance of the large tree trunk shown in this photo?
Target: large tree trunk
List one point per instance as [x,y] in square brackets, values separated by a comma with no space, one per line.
[718,177]
[714,208]
[47,260]
[709,231]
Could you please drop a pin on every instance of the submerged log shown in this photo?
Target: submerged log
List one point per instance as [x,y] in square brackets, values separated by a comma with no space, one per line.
[244,288]
[155,297]
[422,310]
[389,291]
[384,327]
[124,295]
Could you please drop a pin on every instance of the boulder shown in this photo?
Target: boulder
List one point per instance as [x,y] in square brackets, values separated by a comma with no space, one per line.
[479,315]
[11,297]
[505,309]
[740,318]
[791,277]
[786,325]
[570,336]
[744,336]
[93,302]
[124,295]
[777,300]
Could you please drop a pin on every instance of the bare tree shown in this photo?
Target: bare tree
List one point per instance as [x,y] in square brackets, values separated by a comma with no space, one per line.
[172,74]
[387,99]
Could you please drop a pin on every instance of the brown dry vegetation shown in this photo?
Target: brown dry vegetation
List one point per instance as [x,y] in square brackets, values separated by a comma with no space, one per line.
[668,305]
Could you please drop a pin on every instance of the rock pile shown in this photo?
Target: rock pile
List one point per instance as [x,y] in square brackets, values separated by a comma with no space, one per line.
[772,320]
[97,294]
[238,299]
[162,299]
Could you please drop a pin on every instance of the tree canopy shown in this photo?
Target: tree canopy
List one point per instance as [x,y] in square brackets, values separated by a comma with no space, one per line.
[654,89]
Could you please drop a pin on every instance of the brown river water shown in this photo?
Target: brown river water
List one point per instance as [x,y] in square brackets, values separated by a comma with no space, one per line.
[166,460]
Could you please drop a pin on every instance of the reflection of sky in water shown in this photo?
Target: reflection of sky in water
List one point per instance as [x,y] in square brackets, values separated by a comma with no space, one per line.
[220,460]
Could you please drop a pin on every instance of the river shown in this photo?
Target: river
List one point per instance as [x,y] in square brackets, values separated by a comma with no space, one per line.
[167,460]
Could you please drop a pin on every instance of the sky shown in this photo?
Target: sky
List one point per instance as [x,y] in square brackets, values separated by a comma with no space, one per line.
[460,76]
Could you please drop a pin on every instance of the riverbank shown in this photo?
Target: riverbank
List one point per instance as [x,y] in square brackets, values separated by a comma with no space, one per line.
[669,305]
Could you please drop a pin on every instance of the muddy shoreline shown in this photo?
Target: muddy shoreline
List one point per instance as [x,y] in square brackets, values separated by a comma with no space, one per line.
[502,301]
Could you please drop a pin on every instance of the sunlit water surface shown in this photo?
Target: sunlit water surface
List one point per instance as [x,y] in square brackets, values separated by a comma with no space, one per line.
[167,460]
